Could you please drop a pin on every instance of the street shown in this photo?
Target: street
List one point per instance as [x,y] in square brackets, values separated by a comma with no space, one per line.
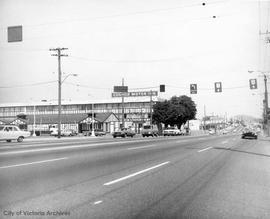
[166,177]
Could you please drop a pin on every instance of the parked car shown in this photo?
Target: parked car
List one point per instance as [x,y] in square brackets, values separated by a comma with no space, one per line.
[249,134]
[119,133]
[225,131]
[211,132]
[12,132]
[171,132]
[64,132]
[68,132]
[99,132]
[149,130]
[129,132]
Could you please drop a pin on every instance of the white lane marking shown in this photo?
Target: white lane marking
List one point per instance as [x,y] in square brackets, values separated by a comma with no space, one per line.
[205,149]
[135,174]
[98,202]
[36,162]
[224,142]
[141,147]
[69,147]
[180,141]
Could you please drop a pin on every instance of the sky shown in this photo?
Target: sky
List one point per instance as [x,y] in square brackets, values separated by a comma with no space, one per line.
[144,42]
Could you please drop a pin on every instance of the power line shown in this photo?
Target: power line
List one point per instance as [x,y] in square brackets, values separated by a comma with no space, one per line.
[22,50]
[150,11]
[128,61]
[87,86]
[28,85]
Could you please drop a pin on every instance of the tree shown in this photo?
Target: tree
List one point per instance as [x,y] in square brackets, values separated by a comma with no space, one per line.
[176,111]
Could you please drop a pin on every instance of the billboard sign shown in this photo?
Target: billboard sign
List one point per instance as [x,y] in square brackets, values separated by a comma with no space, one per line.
[120,89]
[135,94]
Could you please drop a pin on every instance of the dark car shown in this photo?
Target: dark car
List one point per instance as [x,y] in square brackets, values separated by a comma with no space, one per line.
[249,134]
[99,132]
[119,133]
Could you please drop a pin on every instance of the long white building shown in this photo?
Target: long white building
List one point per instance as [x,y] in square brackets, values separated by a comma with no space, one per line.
[78,115]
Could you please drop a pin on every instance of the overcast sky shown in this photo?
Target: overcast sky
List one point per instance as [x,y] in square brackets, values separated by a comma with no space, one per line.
[146,42]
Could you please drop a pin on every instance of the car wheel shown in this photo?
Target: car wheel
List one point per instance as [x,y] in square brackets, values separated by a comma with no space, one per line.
[20,139]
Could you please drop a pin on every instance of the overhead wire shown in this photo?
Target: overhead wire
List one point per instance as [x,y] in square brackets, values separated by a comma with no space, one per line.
[150,11]
[28,85]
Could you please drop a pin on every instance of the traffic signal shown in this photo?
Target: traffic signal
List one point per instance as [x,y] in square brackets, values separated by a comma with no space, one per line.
[193,88]
[218,87]
[162,88]
[253,84]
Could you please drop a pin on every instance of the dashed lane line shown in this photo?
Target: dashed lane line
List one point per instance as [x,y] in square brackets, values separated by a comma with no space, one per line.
[32,163]
[142,147]
[205,149]
[68,147]
[135,174]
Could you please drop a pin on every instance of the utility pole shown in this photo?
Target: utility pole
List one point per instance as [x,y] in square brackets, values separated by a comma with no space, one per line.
[123,110]
[59,55]
[151,114]
[204,112]
[266,107]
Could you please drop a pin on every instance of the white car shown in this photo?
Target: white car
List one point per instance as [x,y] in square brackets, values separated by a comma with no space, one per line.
[211,132]
[65,132]
[12,132]
[171,132]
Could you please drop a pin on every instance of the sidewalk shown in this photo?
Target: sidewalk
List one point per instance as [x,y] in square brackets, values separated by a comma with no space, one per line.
[49,138]
[67,138]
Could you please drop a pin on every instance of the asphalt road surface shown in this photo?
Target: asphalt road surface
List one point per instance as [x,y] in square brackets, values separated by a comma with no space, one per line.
[165,177]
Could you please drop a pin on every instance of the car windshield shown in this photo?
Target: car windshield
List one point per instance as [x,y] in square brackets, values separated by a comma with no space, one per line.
[1,128]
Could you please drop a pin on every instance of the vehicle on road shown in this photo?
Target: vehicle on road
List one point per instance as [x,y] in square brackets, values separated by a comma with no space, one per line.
[119,133]
[12,132]
[211,132]
[64,132]
[99,132]
[172,132]
[129,132]
[149,130]
[225,131]
[249,134]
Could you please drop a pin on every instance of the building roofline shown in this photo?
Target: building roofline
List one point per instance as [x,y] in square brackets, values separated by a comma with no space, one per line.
[55,103]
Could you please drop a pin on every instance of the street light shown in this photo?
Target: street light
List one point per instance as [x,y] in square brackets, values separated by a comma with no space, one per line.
[34,126]
[60,82]
[93,122]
